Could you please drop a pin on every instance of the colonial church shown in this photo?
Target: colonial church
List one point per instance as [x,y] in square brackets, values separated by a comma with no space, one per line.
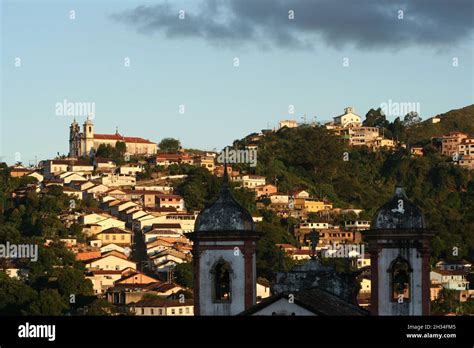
[399,247]
[83,144]
[224,252]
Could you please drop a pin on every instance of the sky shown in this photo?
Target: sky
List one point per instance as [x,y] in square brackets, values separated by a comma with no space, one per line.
[158,69]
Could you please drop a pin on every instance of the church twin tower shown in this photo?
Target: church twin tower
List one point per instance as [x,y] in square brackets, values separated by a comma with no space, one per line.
[81,144]
[224,254]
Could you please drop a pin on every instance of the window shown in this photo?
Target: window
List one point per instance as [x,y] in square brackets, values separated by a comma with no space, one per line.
[400,279]
[160,311]
[222,284]
[187,310]
[143,311]
[180,311]
[152,311]
[173,311]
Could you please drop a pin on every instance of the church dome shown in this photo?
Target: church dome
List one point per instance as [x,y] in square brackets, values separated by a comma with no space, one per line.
[225,214]
[399,213]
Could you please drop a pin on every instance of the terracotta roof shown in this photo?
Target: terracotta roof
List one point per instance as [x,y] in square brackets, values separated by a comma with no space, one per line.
[23,170]
[168,156]
[119,137]
[70,189]
[165,233]
[115,230]
[165,226]
[88,255]
[136,273]
[286,246]
[302,252]
[142,192]
[162,209]
[449,272]
[157,242]
[171,252]
[114,253]
[103,271]
[137,140]
[164,287]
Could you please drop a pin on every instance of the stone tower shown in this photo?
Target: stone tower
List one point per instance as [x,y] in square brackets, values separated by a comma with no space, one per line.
[224,245]
[399,247]
[88,137]
[74,140]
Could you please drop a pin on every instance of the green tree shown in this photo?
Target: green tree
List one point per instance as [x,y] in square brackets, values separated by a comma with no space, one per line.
[120,148]
[411,119]
[184,274]
[15,296]
[49,302]
[375,118]
[169,145]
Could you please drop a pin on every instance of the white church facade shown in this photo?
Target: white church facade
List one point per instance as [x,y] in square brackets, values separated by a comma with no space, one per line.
[83,144]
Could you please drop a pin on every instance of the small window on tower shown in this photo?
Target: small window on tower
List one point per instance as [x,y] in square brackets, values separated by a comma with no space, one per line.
[222,284]
[400,279]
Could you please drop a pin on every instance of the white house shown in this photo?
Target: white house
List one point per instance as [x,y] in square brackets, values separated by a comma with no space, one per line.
[70,176]
[453,280]
[112,260]
[111,247]
[160,307]
[131,169]
[263,291]
[348,118]
[250,181]
[37,176]
[103,279]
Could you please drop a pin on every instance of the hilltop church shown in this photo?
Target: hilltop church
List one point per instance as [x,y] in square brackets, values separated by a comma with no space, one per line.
[224,252]
[82,144]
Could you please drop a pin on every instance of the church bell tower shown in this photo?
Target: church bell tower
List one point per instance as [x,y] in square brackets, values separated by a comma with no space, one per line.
[74,140]
[399,247]
[224,245]
[88,137]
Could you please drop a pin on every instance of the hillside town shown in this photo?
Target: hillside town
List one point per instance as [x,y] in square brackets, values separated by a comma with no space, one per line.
[137,229]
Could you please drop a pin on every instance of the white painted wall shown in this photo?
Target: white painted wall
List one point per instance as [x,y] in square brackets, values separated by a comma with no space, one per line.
[283,307]
[386,306]
[207,261]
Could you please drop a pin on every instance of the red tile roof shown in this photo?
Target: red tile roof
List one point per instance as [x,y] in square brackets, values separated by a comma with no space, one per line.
[119,137]
[446,272]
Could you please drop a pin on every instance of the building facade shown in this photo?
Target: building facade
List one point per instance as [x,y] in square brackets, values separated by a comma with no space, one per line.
[83,144]
[399,247]
[224,257]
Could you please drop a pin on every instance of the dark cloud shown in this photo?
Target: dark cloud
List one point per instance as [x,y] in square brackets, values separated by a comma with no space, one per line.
[364,24]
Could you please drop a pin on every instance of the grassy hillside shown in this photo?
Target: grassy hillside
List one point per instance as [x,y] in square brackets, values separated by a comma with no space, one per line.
[455,120]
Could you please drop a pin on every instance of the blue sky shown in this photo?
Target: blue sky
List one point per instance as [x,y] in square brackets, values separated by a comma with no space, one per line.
[82,60]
